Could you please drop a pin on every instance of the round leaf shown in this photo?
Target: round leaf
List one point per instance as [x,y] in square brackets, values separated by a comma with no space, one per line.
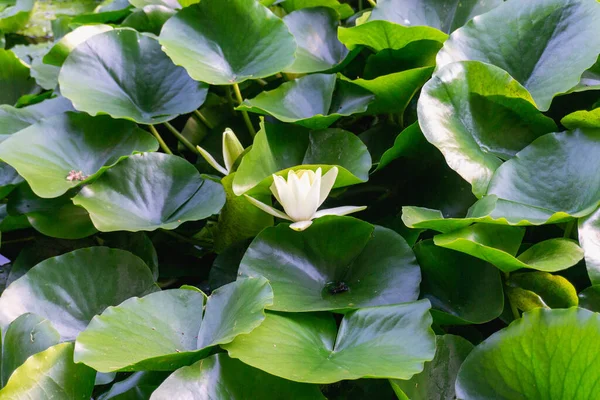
[582,119]
[462,289]
[314,101]
[338,263]
[14,78]
[150,191]
[477,116]
[14,119]
[220,377]
[590,298]
[344,10]
[15,16]
[278,148]
[61,50]
[547,354]
[67,150]
[446,16]
[201,39]
[151,19]
[69,290]
[125,74]
[376,342]
[315,55]
[553,290]
[555,39]
[49,375]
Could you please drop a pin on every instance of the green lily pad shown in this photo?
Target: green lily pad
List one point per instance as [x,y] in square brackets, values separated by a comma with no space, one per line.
[149,191]
[344,10]
[15,14]
[172,4]
[438,378]
[67,150]
[314,101]
[220,377]
[561,364]
[27,335]
[138,385]
[315,55]
[200,39]
[14,78]
[278,148]
[69,290]
[589,239]
[553,291]
[383,35]
[339,263]
[376,342]
[57,217]
[590,298]
[547,28]
[14,119]
[477,115]
[590,79]
[407,141]
[582,119]
[9,179]
[448,278]
[569,184]
[174,331]
[61,50]
[499,244]
[150,18]
[446,16]
[393,92]
[125,74]
[51,374]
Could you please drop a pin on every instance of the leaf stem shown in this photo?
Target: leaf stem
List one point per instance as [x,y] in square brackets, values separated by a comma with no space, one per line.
[372,2]
[161,142]
[186,239]
[181,138]
[240,99]
[569,229]
[230,99]
[261,82]
[204,120]
[513,307]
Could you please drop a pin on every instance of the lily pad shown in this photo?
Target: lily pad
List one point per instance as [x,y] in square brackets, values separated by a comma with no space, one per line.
[69,290]
[174,331]
[57,217]
[125,74]
[150,191]
[446,16]
[553,291]
[546,28]
[376,342]
[220,377]
[27,335]
[339,263]
[477,115]
[448,278]
[314,101]
[590,298]
[15,14]
[589,238]
[278,148]
[569,184]
[509,364]
[172,4]
[151,19]
[14,119]
[315,55]
[393,92]
[67,150]
[498,245]
[582,119]
[200,39]
[14,78]
[61,50]
[438,378]
[344,10]
[51,374]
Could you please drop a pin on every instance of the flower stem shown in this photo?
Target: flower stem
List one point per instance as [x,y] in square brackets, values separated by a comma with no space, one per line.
[181,138]
[161,142]
[204,120]
[240,99]
[372,2]
[230,99]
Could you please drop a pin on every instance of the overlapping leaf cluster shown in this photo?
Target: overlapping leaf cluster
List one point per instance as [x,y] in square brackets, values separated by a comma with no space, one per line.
[132,269]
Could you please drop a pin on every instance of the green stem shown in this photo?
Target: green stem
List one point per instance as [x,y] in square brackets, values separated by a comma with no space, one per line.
[204,120]
[240,99]
[21,240]
[360,5]
[261,82]
[372,2]
[513,307]
[569,229]
[161,142]
[181,138]
[186,239]
[230,99]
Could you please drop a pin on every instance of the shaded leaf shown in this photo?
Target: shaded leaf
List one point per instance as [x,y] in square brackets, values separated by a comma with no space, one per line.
[14,78]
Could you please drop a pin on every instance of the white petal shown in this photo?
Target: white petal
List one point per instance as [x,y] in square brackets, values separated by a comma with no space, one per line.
[300,225]
[210,159]
[304,208]
[345,210]
[268,209]
[327,183]
[285,195]
[310,203]
[232,148]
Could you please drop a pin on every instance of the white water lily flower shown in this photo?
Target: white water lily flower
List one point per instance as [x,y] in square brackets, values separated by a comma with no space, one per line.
[301,195]
[232,148]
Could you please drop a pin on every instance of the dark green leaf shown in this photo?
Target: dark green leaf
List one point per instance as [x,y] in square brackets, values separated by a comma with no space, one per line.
[150,18]
[14,78]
